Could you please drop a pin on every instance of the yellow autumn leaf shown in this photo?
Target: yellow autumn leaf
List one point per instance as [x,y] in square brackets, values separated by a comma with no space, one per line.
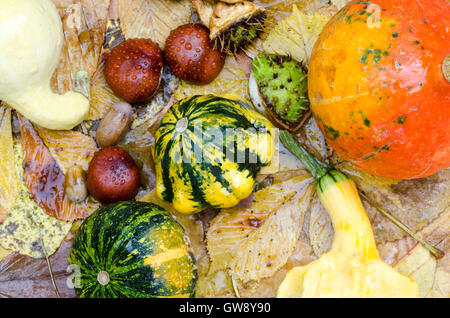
[69,147]
[231,80]
[4,253]
[84,25]
[421,266]
[253,242]
[8,179]
[27,224]
[153,19]
[296,35]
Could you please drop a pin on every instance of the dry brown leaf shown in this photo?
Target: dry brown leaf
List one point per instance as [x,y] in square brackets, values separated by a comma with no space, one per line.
[416,203]
[84,24]
[153,19]
[25,277]
[254,241]
[320,228]
[8,178]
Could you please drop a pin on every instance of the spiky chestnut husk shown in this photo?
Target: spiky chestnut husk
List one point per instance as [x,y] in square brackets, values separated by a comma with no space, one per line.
[279,89]
[241,35]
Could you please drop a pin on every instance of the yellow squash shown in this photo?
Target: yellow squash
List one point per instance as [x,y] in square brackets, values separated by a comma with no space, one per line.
[352,268]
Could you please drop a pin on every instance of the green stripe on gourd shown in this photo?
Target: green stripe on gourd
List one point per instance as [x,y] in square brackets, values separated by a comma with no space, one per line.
[208,150]
[132,249]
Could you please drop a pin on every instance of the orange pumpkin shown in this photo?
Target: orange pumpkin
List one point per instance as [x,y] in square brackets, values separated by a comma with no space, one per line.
[377,86]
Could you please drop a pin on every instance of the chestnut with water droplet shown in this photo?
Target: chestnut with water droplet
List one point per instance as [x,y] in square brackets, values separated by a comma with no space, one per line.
[191,55]
[133,69]
[113,175]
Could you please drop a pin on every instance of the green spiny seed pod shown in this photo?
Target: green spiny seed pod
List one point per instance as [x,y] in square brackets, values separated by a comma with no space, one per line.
[235,26]
[279,89]
[241,34]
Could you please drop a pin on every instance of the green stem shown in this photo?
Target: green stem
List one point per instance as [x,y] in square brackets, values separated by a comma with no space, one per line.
[317,168]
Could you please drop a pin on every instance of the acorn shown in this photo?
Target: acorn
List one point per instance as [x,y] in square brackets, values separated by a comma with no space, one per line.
[191,56]
[133,69]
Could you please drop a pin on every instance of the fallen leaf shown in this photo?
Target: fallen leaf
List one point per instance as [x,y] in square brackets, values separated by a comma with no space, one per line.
[416,202]
[253,242]
[4,253]
[296,35]
[419,265]
[84,23]
[320,228]
[25,277]
[69,147]
[102,97]
[231,80]
[27,223]
[8,178]
[45,179]
[153,19]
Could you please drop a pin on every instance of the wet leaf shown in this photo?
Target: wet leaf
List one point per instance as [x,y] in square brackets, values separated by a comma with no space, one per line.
[69,147]
[45,179]
[27,223]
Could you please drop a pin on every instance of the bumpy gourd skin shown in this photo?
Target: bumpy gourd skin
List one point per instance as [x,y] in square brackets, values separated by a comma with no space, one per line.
[377,88]
[199,163]
[31,37]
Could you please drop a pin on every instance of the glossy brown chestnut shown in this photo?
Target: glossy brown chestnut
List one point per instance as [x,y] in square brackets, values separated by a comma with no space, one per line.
[113,176]
[191,55]
[133,69]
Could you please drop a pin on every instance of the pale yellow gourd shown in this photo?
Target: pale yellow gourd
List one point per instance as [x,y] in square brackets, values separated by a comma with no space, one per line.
[352,268]
[31,40]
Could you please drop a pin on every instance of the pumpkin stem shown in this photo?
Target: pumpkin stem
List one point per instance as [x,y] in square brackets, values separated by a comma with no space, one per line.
[317,168]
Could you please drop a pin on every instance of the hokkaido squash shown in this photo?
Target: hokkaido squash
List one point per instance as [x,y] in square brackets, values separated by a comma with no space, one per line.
[378,88]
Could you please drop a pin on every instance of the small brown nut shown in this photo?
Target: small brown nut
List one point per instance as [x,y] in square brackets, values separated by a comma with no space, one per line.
[115,124]
[75,184]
